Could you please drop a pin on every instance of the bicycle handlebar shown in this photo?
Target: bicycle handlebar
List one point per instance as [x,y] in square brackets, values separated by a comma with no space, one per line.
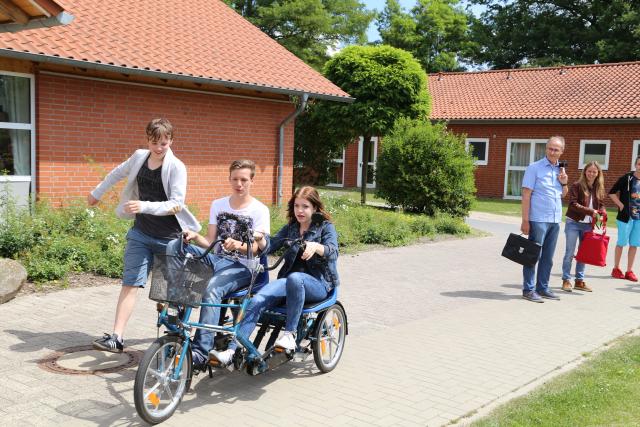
[289,243]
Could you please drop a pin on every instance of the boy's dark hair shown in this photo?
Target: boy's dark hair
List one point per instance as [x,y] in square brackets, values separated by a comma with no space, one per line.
[157,128]
[243,164]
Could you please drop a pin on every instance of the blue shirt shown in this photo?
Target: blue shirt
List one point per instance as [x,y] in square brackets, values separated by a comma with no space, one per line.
[541,178]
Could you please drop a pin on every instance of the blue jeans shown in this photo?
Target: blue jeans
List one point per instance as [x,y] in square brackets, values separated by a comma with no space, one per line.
[573,231]
[297,288]
[545,234]
[228,276]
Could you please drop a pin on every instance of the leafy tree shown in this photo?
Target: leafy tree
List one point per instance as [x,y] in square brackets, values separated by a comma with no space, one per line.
[387,83]
[436,32]
[541,33]
[315,146]
[308,28]
[426,168]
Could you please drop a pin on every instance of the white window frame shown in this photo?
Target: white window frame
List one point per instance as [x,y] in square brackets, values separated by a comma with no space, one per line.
[341,161]
[532,150]
[486,150]
[374,147]
[634,154]
[23,126]
[584,142]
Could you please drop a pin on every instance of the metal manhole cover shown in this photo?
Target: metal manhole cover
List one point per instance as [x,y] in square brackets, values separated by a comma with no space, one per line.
[84,360]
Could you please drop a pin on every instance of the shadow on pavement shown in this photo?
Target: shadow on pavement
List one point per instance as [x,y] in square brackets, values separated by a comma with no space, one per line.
[35,341]
[635,290]
[234,386]
[491,295]
[100,413]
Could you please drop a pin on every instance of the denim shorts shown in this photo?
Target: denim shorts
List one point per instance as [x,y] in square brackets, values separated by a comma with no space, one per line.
[628,232]
[138,256]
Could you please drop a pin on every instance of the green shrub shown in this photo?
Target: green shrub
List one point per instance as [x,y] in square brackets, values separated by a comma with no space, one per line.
[424,168]
[44,270]
[51,242]
[422,225]
[448,225]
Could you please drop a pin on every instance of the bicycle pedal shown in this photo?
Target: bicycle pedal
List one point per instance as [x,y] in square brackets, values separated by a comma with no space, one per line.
[278,359]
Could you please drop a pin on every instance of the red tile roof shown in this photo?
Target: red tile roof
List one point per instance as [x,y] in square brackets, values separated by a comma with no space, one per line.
[199,40]
[603,91]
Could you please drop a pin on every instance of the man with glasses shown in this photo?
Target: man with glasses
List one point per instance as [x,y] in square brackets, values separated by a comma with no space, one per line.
[543,186]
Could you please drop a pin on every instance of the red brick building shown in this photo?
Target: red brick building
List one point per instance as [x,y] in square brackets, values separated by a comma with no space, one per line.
[507,116]
[75,99]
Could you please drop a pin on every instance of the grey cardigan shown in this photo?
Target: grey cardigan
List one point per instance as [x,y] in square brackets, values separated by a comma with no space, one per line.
[174,182]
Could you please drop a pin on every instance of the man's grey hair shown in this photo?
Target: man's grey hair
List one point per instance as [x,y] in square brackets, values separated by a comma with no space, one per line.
[558,138]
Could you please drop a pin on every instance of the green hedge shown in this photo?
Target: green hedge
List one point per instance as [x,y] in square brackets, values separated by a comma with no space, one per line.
[53,242]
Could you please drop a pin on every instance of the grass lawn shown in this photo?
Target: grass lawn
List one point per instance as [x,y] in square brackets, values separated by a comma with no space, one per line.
[603,391]
[351,193]
[513,208]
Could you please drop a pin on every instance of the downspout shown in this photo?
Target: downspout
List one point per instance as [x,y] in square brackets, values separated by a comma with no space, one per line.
[300,109]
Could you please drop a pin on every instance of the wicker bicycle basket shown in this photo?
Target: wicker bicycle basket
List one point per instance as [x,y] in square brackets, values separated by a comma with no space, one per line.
[179,279]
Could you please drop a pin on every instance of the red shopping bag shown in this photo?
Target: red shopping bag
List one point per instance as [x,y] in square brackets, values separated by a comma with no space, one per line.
[593,248]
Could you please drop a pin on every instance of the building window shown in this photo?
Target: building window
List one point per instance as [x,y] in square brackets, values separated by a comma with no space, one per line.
[336,172]
[479,149]
[636,153]
[17,135]
[520,153]
[594,150]
[15,125]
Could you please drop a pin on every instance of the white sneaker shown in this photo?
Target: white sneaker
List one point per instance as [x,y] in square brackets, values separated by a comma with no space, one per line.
[287,341]
[224,357]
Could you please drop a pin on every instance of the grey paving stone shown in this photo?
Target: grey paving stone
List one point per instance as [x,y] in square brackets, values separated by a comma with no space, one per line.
[436,331]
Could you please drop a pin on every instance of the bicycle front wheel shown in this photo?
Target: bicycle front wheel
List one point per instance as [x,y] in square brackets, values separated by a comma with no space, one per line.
[157,390]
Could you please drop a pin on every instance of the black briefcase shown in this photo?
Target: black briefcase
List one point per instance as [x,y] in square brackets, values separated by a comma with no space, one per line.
[521,250]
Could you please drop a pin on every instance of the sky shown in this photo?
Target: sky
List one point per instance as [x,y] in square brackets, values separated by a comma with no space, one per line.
[372,32]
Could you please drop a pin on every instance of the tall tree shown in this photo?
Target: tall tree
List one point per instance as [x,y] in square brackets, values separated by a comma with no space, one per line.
[436,32]
[387,83]
[519,33]
[308,28]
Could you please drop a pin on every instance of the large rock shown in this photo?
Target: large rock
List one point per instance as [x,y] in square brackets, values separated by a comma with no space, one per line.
[12,277]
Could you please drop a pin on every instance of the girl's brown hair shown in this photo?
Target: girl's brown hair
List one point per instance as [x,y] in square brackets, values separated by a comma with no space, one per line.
[598,184]
[308,193]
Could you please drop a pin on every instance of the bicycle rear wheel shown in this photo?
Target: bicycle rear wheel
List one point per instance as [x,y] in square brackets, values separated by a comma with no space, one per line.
[156,392]
[330,334]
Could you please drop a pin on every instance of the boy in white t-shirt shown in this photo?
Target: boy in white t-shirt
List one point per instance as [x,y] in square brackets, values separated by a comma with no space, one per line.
[228,275]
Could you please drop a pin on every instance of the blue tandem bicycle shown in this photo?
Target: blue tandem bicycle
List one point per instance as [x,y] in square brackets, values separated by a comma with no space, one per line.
[178,283]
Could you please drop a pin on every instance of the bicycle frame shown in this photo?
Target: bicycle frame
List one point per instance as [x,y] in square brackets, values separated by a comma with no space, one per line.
[183,326]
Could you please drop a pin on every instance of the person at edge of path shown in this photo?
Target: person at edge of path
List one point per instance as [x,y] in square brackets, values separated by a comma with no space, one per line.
[154,197]
[543,186]
[229,275]
[308,275]
[625,194]
[586,206]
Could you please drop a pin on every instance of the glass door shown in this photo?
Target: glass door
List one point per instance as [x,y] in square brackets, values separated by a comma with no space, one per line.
[520,153]
[371,162]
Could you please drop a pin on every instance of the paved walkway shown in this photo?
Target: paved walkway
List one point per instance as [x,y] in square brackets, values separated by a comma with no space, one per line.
[437,331]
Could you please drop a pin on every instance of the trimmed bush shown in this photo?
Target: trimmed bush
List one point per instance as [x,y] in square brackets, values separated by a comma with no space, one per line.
[425,168]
